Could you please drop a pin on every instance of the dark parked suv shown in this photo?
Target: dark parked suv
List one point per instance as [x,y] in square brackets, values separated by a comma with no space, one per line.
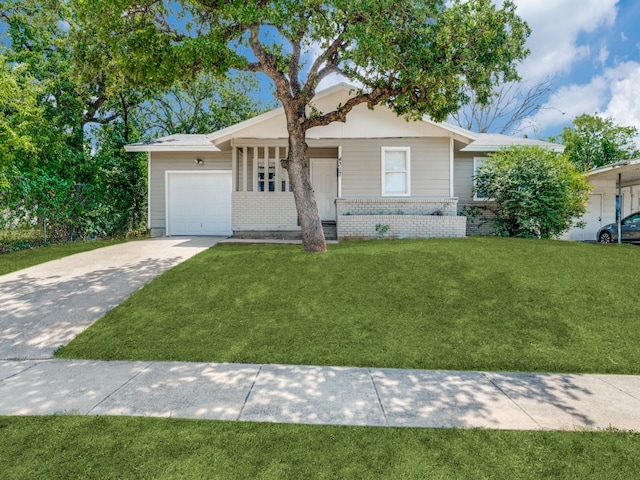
[630,228]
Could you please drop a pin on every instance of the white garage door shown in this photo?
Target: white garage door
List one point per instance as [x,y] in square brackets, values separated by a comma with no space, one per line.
[199,203]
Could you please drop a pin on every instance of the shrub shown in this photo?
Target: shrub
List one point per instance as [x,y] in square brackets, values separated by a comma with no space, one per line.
[537,192]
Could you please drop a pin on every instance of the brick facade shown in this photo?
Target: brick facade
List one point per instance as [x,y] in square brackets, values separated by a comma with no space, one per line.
[263,211]
[399,218]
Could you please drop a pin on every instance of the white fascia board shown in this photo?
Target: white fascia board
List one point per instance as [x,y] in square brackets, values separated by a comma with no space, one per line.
[226,133]
[494,147]
[170,148]
[467,135]
[612,171]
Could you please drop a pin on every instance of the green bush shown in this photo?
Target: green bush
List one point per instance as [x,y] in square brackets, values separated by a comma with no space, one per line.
[538,193]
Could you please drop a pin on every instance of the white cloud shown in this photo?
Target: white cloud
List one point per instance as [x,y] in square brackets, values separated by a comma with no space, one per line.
[604,54]
[624,105]
[615,93]
[567,103]
[556,27]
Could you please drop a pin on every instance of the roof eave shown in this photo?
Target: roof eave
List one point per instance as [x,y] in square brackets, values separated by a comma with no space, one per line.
[494,148]
[170,148]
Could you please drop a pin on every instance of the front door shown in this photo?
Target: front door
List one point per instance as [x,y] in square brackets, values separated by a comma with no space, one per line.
[324,179]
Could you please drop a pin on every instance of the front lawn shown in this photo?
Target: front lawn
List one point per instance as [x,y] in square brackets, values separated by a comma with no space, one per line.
[69,447]
[469,304]
[14,261]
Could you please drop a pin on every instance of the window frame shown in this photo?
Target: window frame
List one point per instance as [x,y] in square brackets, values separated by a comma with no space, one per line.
[384,172]
[477,162]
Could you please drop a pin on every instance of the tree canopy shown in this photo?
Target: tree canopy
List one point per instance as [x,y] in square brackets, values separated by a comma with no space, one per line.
[592,141]
[538,193]
[417,57]
[204,105]
[65,113]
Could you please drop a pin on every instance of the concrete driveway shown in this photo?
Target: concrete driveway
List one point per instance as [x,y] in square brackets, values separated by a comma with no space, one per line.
[47,305]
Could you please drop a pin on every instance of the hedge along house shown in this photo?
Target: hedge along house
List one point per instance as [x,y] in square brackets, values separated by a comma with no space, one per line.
[376,174]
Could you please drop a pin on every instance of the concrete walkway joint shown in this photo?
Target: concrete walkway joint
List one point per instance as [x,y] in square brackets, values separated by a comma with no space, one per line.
[321,395]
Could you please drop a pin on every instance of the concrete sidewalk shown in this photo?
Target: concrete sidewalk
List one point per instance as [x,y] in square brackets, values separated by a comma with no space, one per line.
[320,395]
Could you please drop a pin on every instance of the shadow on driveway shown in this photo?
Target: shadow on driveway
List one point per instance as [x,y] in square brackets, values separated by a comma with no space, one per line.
[46,306]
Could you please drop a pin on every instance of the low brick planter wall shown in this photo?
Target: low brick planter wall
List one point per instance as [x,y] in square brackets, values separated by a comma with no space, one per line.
[401,226]
[399,218]
[397,206]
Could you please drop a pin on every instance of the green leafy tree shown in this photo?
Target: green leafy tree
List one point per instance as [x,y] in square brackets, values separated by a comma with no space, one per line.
[593,141]
[537,192]
[416,57]
[53,178]
[204,105]
[20,114]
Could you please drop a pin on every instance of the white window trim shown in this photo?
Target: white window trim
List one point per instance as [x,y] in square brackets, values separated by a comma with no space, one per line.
[383,172]
[476,162]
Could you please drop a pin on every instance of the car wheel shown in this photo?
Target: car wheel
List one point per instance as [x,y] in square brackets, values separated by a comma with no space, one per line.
[605,237]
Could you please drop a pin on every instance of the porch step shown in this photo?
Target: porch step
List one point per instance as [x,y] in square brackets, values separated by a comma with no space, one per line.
[329,228]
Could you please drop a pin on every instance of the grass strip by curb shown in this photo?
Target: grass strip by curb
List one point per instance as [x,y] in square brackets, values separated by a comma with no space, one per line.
[69,447]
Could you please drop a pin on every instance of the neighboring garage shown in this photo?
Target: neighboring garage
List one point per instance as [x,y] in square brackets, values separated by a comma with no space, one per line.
[615,186]
[198,202]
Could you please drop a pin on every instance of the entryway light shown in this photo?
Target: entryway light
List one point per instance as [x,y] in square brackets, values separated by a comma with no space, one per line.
[199,161]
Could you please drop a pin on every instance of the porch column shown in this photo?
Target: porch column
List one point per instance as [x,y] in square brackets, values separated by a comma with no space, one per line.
[234,169]
[451,165]
[245,174]
[255,169]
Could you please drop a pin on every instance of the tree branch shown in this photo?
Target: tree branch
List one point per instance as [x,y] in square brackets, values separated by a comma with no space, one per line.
[328,58]
[373,98]
[267,65]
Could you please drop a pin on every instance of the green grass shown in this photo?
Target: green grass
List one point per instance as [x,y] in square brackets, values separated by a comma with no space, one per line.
[14,261]
[69,447]
[469,304]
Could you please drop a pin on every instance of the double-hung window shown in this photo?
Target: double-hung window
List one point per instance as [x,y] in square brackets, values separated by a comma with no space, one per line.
[478,195]
[396,171]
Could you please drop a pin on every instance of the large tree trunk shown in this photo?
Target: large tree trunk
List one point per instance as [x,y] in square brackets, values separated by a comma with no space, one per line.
[297,165]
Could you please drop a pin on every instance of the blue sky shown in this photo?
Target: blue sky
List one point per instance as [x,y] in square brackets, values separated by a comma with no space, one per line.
[591,48]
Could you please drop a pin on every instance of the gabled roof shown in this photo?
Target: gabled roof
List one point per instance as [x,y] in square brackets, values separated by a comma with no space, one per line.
[323,97]
[491,142]
[175,143]
[272,125]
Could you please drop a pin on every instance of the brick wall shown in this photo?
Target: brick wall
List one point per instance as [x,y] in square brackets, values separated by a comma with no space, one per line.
[401,226]
[263,211]
[405,218]
[396,206]
[480,225]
